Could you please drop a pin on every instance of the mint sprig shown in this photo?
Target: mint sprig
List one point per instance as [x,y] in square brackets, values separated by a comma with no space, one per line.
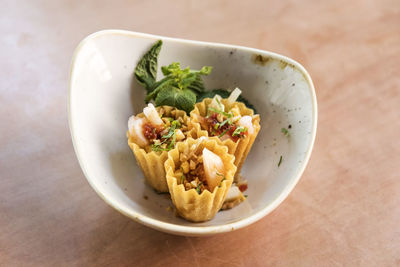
[146,69]
[180,88]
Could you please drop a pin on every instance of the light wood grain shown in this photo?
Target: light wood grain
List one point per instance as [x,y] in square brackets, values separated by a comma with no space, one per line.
[344,211]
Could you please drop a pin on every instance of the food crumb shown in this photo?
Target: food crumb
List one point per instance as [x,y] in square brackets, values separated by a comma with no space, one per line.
[169,208]
[145,197]
[242,187]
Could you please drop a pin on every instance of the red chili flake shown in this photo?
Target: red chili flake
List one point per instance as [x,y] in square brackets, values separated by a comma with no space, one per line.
[229,129]
[151,132]
[242,187]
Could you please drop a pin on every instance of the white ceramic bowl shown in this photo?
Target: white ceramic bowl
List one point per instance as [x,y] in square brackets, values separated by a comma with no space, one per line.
[103,94]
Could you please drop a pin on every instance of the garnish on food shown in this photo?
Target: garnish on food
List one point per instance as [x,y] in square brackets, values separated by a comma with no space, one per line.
[156,130]
[180,88]
[226,124]
[230,121]
[199,175]
[160,132]
[164,126]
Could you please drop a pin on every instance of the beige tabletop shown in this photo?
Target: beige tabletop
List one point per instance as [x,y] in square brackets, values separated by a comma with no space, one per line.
[345,211]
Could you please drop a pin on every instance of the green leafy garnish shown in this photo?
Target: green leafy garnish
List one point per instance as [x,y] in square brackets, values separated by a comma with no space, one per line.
[198,188]
[223,133]
[172,96]
[158,147]
[239,130]
[179,87]
[169,137]
[224,94]
[280,161]
[226,114]
[285,132]
[185,77]
[146,69]
[228,120]
[172,143]
[223,178]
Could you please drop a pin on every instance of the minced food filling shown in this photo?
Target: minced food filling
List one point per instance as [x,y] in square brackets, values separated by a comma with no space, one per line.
[223,124]
[190,170]
[163,137]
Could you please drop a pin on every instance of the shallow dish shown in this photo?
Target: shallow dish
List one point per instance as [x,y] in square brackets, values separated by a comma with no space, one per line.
[103,94]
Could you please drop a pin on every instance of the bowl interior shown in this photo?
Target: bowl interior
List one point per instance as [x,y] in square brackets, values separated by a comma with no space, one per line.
[103,94]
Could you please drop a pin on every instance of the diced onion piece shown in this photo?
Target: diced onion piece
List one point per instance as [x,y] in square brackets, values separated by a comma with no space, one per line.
[152,115]
[135,126]
[234,96]
[224,137]
[195,146]
[179,135]
[246,121]
[213,168]
[214,103]
[233,194]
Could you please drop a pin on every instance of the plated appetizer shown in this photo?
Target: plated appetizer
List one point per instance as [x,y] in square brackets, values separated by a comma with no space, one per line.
[228,120]
[196,159]
[151,135]
[199,175]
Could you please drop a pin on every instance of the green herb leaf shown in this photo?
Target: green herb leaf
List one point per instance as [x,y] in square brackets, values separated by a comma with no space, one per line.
[184,78]
[181,99]
[172,143]
[228,120]
[157,147]
[146,69]
[197,85]
[280,161]
[198,190]
[285,132]
[158,86]
[176,124]
[239,130]
[224,94]
[223,133]
[169,137]
[179,87]
[226,114]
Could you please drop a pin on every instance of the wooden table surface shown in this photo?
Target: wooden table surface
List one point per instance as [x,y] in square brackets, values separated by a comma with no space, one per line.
[345,211]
